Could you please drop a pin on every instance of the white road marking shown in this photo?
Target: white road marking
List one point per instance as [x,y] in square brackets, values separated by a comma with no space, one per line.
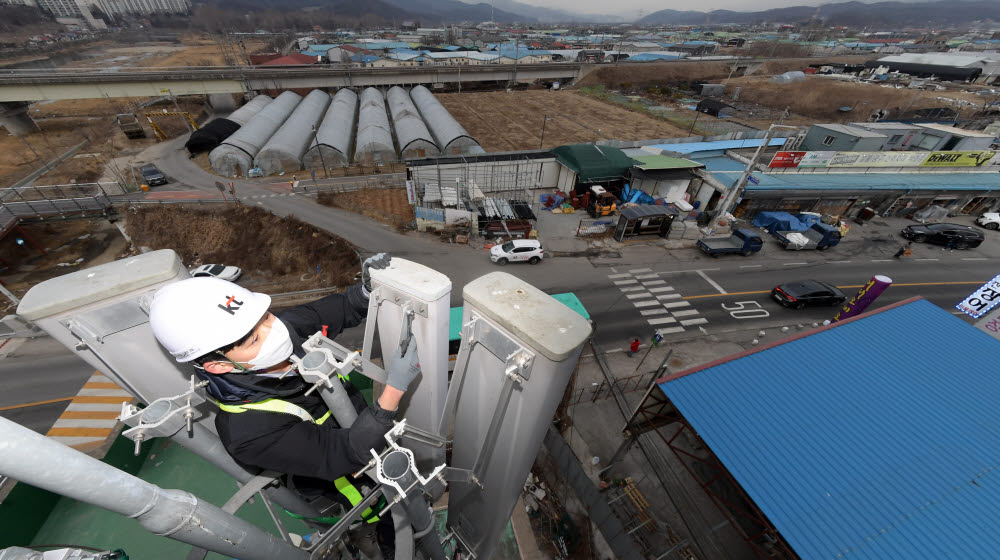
[638,270]
[713,283]
[647,276]
[624,282]
[793,264]
[974,259]
[612,276]
[662,320]
[837,262]
[670,330]
[751,266]
[661,289]
[633,296]
[649,303]
[653,282]
[660,311]
[676,304]
[631,289]
[698,321]
[684,312]
[927,259]
[882,260]
[668,296]
[614,270]
[683,271]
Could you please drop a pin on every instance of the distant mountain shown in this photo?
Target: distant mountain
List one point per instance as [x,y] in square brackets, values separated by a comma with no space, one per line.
[919,13]
[552,15]
[454,11]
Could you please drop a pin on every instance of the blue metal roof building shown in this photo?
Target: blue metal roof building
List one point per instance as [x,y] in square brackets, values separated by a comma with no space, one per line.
[867,439]
[716,148]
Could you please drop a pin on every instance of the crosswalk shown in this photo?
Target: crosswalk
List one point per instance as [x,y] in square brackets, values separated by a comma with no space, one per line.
[658,303]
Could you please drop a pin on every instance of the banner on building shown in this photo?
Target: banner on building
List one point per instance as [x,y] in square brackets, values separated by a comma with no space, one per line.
[877,159]
[865,296]
[990,323]
[982,300]
[958,159]
[816,159]
[787,159]
[411,193]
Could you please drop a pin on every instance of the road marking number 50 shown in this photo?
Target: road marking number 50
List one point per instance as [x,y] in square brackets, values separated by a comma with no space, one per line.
[740,310]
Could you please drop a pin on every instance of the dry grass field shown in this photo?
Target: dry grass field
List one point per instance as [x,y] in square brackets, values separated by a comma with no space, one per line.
[503,121]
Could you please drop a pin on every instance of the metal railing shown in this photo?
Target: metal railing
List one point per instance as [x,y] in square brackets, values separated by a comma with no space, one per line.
[604,390]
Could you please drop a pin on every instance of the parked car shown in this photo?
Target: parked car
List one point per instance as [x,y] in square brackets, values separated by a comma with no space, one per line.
[519,250]
[152,175]
[222,271]
[819,236]
[807,292]
[964,237]
[989,220]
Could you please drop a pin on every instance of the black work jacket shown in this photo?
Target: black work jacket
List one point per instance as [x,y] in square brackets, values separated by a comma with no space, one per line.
[284,442]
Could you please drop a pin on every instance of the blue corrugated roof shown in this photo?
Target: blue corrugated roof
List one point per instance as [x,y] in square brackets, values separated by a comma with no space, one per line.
[877,438]
[692,147]
[727,171]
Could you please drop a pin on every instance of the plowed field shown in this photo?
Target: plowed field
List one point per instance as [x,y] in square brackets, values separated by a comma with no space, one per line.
[503,121]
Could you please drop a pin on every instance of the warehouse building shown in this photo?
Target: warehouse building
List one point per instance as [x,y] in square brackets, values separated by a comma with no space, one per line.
[979,68]
[888,451]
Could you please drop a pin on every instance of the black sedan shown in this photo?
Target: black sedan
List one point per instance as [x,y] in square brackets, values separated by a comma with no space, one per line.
[956,235]
[152,175]
[807,292]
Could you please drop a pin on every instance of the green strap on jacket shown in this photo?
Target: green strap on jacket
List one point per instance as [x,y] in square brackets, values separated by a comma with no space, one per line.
[343,485]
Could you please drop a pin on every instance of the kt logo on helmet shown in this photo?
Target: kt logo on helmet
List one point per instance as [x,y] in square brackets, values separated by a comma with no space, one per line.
[229,307]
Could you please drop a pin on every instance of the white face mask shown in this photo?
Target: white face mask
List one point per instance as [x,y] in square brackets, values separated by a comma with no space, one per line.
[277,347]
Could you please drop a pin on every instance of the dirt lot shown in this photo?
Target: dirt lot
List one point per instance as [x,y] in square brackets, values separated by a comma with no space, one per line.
[503,121]
[819,97]
[389,206]
[71,245]
[276,255]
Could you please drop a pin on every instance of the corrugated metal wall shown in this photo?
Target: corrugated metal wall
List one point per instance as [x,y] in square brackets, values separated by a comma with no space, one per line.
[235,155]
[332,144]
[411,132]
[284,151]
[374,143]
[246,112]
[451,138]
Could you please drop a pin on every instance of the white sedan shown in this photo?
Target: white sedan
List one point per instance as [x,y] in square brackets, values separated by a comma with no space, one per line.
[519,250]
[224,272]
[989,220]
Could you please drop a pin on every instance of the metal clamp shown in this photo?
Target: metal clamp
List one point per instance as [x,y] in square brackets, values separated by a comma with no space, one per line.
[357,362]
[320,366]
[163,417]
[384,293]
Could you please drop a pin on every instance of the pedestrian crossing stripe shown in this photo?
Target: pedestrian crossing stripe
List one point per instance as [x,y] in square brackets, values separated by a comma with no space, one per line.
[656,301]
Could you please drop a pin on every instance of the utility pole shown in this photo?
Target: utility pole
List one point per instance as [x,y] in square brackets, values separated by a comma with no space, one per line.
[542,141]
[728,203]
[320,150]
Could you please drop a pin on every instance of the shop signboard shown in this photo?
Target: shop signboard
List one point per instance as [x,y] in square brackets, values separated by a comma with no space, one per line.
[877,159]
[787,159]
[982,300]
[816,159]
[958,159]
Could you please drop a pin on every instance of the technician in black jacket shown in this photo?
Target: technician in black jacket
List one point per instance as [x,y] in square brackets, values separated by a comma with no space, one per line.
[242,349]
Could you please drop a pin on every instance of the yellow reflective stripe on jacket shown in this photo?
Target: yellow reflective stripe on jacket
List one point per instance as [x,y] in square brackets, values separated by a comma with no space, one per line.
[343,485]
[271,405]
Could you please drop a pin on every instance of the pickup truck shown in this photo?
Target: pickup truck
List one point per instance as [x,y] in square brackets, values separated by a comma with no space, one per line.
[742,241]
[820,236]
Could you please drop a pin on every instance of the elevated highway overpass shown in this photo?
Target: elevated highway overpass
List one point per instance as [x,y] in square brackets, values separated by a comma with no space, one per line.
[18,86]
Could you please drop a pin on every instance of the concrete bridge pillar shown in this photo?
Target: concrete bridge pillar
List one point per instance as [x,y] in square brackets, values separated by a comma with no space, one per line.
[14,117]
[221,102]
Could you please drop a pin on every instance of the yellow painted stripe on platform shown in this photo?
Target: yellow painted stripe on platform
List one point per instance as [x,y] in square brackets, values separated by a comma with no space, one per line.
[90,415]
[94,385]
[36,403]
[105,400]
[79,432]
[88,446]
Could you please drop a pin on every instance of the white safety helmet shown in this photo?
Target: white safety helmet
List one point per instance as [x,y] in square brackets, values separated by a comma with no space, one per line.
[193,317]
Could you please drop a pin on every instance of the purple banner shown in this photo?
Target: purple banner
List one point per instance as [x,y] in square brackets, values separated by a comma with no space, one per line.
[865,296]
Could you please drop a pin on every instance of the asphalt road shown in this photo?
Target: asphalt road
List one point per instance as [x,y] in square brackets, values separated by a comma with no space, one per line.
[45,372]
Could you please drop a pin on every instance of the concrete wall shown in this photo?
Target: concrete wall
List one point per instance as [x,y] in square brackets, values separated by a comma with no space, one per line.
[493,176]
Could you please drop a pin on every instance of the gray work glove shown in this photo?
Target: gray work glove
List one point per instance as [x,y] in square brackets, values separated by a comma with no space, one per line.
[404,368]
[380,260]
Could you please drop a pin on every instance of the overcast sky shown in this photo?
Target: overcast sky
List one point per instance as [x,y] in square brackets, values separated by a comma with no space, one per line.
[630,8]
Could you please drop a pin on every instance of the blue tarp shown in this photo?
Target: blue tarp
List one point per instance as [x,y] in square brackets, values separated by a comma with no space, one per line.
[809,219]
[778,221]
[630,194]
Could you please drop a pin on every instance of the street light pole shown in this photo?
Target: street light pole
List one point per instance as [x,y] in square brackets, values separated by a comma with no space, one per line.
[737,190]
